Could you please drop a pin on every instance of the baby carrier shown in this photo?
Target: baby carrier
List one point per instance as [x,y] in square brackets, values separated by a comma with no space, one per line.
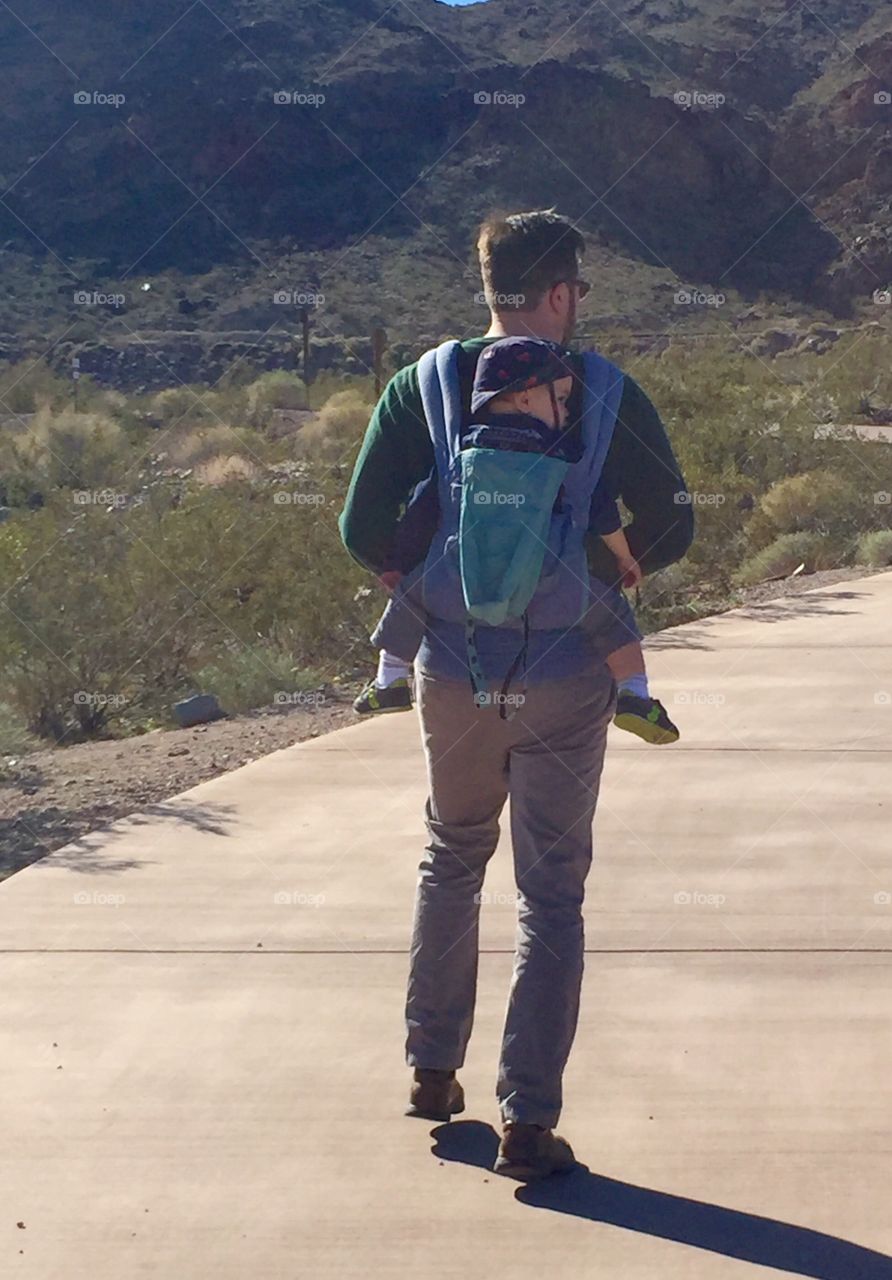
[506,553]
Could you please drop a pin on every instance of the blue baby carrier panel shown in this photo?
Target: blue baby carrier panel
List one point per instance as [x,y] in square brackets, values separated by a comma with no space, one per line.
[511,563]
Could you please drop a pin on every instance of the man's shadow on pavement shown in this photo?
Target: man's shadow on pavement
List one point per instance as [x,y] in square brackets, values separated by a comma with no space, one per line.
[657,1213]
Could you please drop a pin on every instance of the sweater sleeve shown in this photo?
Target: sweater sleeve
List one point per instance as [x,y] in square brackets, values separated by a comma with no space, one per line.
[395,455]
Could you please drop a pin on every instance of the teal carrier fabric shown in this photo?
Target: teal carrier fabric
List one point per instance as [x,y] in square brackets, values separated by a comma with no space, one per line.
[503,555]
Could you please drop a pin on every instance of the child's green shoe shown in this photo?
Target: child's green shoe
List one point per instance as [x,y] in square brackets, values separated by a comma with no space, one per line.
[374,699]
[645,717]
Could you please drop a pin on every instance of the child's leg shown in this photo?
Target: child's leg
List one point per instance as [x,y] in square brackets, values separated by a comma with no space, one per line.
[390,668]
[627,668]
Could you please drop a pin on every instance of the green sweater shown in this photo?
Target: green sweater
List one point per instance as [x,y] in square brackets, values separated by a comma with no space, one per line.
[397,453]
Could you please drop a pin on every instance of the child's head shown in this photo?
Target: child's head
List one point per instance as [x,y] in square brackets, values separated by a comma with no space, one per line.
[524,375]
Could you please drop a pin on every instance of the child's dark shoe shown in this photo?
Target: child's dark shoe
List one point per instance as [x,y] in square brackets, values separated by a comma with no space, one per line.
[374,699]
[645,717]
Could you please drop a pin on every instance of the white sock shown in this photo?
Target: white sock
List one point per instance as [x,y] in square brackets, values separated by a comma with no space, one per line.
[636,685]
[390,668]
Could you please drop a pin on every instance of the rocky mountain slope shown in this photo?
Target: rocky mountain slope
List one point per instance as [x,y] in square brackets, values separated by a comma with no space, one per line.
[242,157]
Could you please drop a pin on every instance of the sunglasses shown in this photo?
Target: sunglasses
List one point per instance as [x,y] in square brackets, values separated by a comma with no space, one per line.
[582,285]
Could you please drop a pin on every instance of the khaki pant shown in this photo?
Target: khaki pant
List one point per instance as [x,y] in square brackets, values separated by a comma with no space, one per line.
[548,757]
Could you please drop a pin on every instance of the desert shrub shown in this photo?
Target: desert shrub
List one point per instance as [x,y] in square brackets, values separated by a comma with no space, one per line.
[28,386]
[278,389]
[337,428]
[191,446]
[787,553]
[814,502]
[245,677]
[72,450]
[224,469]
[182,404]
[875,549]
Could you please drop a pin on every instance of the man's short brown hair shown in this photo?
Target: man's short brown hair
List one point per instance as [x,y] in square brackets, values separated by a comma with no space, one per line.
[523,254]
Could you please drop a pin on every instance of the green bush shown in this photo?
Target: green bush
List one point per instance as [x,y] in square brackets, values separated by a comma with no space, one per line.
[786,553]
[278,389]
[875,549]
[815,502]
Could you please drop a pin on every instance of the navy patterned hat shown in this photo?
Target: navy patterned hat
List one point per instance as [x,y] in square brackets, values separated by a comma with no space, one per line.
[513,364]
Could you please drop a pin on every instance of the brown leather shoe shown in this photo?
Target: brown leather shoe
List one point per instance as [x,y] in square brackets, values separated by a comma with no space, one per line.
[528,1152]
[435,1095]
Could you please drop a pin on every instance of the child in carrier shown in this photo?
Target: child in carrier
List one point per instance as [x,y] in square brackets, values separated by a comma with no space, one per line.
[519,402]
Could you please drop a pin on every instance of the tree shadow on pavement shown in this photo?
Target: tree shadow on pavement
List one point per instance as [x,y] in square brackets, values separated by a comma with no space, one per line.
[36,834]
[735,1234]
[699,635]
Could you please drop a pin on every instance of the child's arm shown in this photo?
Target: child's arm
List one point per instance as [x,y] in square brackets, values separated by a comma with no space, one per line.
[626,562]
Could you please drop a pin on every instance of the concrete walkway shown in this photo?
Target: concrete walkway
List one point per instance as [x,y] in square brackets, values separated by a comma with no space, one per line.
[201,1011]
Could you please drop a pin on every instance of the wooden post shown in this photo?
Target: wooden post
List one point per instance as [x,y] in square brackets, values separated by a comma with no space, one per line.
[305,331]
[379,344]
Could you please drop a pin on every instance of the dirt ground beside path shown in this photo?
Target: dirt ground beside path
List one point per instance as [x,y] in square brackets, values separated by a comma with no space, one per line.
[52,796]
